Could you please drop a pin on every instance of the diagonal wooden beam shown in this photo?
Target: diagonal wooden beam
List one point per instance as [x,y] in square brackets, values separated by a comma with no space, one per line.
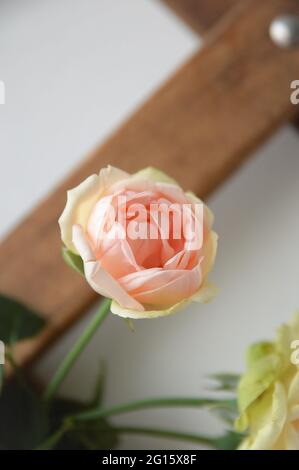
[198,127]
[200,15]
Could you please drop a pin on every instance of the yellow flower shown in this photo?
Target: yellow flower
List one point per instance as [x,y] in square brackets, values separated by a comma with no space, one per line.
[268,394]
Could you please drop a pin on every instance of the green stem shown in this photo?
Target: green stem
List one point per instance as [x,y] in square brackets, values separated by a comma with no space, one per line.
[166,433]
[53,439]
[142,404]
[19,374]
[74,353]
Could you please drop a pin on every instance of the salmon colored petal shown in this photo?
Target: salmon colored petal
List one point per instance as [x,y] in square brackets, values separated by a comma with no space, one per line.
[174,193]
[161,288]
[147,264]
[117,258]
[147,252]
[138,184]
[98,278]
[178,261]
[99,218]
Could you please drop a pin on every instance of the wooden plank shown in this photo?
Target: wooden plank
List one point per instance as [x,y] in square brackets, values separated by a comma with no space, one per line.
[198,127]
[200,15]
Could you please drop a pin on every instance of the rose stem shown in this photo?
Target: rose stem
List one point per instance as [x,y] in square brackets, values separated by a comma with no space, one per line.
[165,433]
[97,413]
[74,353]
[51,441]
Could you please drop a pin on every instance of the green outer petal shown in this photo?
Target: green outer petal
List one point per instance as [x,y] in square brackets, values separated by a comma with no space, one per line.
[83,196]
[294,325]
[267,364]
[242,422]
[285,334]
[155,175]
[73,260]
[135,314]
[257,351]
[205,293]
[269,419]
[196,200]
[257,380]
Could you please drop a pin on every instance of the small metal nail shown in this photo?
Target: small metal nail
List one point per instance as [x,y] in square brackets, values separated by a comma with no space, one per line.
[284,31]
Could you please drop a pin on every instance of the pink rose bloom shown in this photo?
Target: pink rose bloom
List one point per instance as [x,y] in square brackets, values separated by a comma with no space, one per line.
[144,242]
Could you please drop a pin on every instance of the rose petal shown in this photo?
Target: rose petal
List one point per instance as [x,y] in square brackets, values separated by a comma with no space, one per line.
[205,293]
[135,314]
[99,218]
[117,257]
[98,278]
[155,175]
[208,214]
[160,288]
[208,252]
[268,434]
[293,393]
[81,200]
[292,439]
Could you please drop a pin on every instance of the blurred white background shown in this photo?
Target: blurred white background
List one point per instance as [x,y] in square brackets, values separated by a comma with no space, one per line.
[73,71]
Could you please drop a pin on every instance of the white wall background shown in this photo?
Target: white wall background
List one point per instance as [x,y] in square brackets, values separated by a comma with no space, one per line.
[73,70]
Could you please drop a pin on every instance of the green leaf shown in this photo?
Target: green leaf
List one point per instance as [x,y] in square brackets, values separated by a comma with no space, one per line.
[227,410]
[73,260]
[225,382]
[130,324]
[17,321]
[99,390]
[79,436]
[60,409]
[230,441]
[23,423]
[96,435]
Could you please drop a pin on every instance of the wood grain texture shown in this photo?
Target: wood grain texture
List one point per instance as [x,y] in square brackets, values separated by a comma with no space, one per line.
[198,127]
[200,15]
